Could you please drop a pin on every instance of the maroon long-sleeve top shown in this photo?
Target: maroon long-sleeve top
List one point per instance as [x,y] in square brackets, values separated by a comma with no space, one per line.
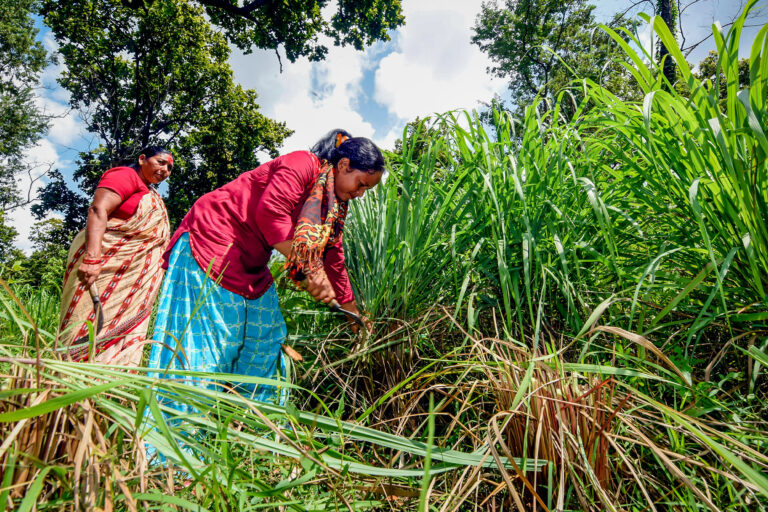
[236,226]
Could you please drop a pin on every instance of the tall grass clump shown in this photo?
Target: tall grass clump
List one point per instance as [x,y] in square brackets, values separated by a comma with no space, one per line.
[697,168]
[491,218]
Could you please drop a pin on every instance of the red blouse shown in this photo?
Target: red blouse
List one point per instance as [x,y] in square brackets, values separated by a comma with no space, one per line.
[125,182]
[236,225]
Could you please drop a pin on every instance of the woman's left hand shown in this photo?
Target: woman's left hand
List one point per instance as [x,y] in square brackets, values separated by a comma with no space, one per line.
[351,306]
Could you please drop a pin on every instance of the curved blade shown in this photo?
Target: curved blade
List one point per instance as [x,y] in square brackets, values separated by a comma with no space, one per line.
[99,320]
[336,307]
[94,291]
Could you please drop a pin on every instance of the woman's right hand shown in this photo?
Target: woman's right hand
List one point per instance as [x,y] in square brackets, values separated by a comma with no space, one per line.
[318,285]
[88,273]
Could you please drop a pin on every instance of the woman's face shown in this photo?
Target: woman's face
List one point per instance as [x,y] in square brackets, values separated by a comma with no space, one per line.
[352,183]
[156,168]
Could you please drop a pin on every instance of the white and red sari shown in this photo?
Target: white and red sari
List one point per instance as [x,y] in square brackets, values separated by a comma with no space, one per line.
[128,283]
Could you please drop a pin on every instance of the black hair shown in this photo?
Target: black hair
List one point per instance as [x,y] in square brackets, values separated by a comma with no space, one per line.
[362,153]
[148,153]
[323,148]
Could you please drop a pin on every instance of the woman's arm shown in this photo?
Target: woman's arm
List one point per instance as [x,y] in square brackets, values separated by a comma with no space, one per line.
[317,283]
[336,270]
[105,201]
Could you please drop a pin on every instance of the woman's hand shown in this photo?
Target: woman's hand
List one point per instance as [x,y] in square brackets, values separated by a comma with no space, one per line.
[88,272]
[318,285]
[351,306]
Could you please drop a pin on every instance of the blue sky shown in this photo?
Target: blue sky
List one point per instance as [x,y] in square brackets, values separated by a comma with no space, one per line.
[429,66]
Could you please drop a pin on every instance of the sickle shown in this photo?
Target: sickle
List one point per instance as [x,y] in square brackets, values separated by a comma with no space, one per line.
[94,292]
[334,305]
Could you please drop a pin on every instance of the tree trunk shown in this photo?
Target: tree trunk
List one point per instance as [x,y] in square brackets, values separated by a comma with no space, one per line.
[664,10]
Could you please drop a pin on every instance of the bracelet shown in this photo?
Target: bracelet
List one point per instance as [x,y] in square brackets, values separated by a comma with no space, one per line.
[92,261]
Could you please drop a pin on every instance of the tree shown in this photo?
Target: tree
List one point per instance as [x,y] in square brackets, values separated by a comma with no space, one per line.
[712,76]
[671,12]
[667,10]
[56,195]
[45,266]
[137,82]
[215,153]
[7,236]
[420,137]
[533,43]
[296,25]
[22,58]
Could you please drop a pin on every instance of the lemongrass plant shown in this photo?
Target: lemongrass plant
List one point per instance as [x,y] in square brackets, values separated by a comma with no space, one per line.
[698,172]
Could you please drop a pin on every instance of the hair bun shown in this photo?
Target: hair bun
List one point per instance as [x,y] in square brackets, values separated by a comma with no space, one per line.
[340,139]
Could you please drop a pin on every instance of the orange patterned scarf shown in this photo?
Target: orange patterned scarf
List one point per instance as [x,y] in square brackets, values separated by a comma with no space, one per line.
[320,223]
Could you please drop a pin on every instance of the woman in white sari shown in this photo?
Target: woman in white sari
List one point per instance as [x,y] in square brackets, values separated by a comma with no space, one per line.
[119,255]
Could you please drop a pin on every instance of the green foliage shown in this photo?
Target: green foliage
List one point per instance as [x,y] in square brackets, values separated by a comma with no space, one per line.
[710,74]
[138,83]
[513,220]
[7,236]
[214,153]
[398,234]
[50,241]
[710,164]
[56,195]
[44,268]
[526,211]
[419,135]
[22,58]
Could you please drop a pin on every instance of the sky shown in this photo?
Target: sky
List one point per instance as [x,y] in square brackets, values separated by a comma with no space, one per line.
[429,66]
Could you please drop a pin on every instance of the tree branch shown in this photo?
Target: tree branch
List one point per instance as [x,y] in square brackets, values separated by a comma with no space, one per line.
[244,12]
[687,51]
[634,4]
[30,197]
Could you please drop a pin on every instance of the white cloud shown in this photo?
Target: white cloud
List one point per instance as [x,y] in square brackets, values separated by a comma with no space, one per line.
[436,68]
[311,98]
[65,127]
[65,131]
[38,160]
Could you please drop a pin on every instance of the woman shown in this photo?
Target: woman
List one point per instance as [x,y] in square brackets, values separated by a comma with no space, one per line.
[119,254]
[218,299]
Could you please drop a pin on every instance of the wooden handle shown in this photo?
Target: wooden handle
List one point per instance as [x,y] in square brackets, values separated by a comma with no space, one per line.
[94,291]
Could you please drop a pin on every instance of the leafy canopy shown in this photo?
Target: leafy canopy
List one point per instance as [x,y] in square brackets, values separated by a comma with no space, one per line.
[297,25]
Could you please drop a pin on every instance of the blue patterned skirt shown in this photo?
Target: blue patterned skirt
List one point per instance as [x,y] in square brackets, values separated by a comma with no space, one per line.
[217,330]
